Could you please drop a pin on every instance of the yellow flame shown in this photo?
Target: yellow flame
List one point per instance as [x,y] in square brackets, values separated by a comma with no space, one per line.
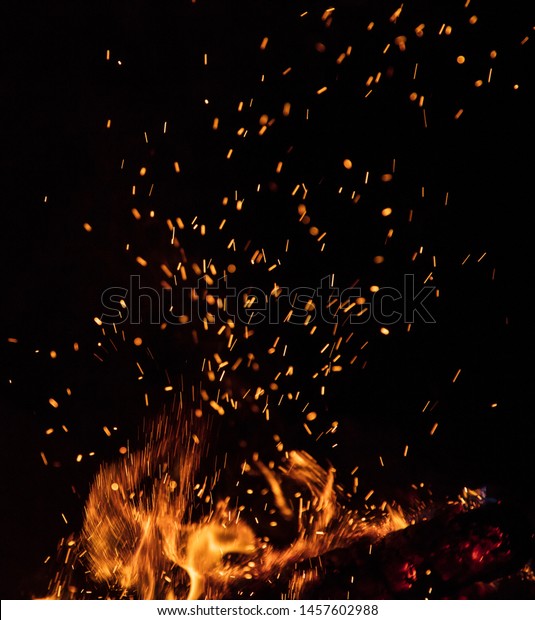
[152,531]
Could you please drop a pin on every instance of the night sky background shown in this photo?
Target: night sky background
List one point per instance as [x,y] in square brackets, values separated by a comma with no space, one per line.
[61,168]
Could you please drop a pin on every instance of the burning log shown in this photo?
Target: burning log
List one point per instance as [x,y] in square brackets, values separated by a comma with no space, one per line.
[479,553]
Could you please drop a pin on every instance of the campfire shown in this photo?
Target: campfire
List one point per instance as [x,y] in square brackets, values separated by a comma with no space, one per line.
[155,527]
[280,367]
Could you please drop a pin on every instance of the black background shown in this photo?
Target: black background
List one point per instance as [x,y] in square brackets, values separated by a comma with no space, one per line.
[57,92]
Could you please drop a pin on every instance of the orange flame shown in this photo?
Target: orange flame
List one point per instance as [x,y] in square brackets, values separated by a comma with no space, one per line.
[145,533]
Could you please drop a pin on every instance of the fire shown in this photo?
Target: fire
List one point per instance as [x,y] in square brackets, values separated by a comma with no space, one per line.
[139,524]
[153,531]
[160,525]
